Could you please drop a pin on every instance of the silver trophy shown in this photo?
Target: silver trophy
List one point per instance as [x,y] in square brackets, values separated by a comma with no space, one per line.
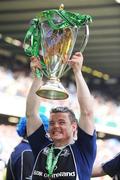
[54,33]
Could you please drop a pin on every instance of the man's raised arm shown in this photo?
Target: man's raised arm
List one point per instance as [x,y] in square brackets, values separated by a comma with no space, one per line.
[84,97]
[33,102]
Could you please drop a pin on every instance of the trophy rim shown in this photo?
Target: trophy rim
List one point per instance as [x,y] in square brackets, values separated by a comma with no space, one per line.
[52,94]
[53,89]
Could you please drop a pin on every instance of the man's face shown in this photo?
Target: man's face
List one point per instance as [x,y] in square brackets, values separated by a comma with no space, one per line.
[60,128]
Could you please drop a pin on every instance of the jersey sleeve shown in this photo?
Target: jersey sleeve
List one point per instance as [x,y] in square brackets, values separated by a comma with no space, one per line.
[86,145]
[38,140]
[86,141]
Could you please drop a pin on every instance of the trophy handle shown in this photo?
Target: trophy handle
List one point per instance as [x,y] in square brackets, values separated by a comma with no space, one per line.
[32,42]
[86,37]
[83,45]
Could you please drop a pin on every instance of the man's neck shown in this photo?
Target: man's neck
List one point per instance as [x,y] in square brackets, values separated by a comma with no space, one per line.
[63,144]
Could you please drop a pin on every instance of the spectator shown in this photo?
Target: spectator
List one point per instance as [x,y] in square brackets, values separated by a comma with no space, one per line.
[21,160]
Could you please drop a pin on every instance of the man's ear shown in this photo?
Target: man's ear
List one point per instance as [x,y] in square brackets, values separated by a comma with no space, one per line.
[74,125]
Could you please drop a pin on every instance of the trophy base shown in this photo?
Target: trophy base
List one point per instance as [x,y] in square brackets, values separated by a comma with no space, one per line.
[53,89]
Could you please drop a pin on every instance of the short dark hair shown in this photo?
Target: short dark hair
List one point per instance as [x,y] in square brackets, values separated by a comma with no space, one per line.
[61,109]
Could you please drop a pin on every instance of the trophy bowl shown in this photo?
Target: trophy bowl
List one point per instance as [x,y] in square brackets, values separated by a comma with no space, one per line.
[54,33]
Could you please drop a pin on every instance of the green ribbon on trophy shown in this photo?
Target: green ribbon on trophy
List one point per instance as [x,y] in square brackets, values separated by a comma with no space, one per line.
[53,34]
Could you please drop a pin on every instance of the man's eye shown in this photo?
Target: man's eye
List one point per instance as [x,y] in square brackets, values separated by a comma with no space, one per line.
[62,122]
[51,123]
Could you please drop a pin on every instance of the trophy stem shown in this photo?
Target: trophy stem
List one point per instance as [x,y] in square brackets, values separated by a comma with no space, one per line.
[53,89]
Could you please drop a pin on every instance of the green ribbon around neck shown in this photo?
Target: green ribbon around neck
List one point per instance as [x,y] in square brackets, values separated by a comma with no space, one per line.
[52,160]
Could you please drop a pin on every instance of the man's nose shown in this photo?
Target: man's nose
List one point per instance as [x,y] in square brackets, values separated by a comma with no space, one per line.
[56,124]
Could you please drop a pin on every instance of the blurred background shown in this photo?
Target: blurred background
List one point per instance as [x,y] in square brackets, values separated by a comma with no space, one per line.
[101,70]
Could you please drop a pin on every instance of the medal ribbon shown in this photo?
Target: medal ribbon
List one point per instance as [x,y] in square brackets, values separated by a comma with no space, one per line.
[52,161]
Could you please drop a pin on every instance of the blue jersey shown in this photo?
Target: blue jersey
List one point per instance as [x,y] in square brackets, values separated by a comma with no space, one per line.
[21,162]
[75,162]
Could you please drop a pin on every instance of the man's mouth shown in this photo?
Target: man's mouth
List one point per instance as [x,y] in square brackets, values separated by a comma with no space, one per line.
[56,133]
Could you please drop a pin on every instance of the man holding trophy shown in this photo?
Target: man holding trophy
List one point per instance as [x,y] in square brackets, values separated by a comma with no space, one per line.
[62,156]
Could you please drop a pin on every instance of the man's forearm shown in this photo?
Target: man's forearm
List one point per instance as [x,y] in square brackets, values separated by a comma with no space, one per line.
[32,106]
[98,171]
[33,100]
[85,100]
[84,96]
